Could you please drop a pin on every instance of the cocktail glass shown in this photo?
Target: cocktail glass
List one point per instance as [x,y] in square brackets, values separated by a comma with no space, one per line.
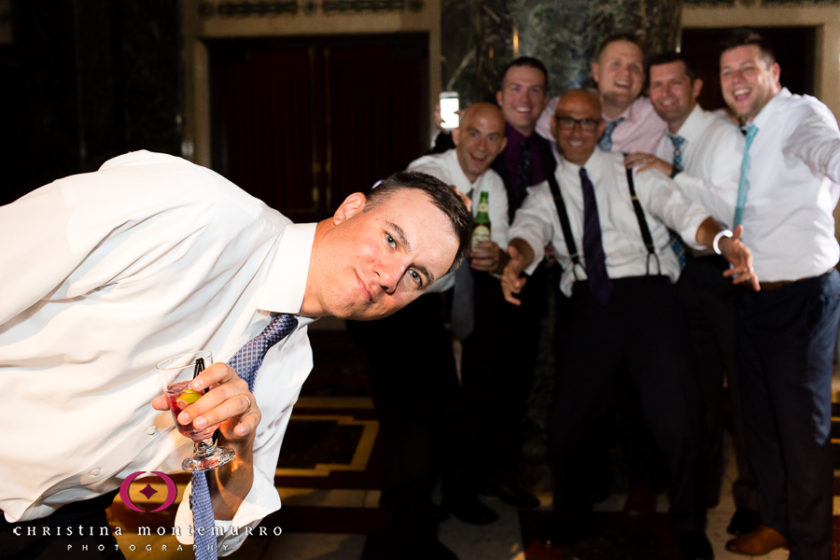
[175,374]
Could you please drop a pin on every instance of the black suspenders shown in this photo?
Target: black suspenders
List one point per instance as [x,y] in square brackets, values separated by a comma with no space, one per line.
[565,225]
[643,227]
[571,247]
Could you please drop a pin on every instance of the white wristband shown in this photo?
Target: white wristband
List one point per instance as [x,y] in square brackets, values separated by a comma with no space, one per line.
[716,242]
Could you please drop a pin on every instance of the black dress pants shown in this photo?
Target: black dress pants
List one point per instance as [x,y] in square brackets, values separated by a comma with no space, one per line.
[637,334]
[418,405]
[497,372]
[786,341]
[707,300]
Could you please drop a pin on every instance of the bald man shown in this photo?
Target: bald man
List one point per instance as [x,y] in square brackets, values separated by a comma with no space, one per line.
[622,312]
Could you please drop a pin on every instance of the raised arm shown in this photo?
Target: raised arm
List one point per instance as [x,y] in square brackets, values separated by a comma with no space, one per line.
[521,255]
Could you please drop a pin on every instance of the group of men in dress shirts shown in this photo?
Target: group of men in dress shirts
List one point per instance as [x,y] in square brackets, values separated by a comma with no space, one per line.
[150,256]
[751,307]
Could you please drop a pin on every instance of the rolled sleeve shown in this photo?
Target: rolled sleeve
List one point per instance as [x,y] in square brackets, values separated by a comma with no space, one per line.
[665,201]
[536,222]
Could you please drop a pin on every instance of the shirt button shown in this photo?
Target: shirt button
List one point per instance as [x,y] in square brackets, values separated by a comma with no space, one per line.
[150,430]
[95,472]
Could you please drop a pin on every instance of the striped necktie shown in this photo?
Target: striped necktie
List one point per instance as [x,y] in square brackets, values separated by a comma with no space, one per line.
[246,362]
[744,180]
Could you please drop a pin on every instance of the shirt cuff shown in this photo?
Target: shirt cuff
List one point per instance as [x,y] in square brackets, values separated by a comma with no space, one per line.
[261,500]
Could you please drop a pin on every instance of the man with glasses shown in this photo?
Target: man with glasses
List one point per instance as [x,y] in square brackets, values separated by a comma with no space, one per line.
[622,311]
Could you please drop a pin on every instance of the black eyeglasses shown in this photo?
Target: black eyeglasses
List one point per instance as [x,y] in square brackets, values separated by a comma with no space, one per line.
[568,123]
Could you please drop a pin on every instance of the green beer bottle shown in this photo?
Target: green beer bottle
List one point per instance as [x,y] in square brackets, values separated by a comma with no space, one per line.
[481,222]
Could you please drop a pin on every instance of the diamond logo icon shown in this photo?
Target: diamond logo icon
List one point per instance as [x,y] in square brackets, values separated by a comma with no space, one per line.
[148,491]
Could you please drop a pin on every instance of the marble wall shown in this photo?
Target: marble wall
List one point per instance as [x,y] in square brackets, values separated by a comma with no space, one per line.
[480,36]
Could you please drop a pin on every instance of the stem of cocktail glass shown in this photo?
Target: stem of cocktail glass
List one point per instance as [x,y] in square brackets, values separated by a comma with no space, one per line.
[204,447]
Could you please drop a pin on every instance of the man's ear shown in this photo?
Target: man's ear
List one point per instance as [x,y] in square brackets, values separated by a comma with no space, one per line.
[351,205]
[777,71]
[696,87]
[499,98]
[553,125]
[602,127]
[456,135]
[594,71]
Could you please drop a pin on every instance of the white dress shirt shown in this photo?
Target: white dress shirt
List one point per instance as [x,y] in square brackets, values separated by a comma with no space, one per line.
[446,167]
[711,161]
[114,271]
[794,187]
[640,130]
[537,222]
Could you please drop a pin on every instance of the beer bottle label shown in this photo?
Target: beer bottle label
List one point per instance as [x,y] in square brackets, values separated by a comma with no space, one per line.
[480,233]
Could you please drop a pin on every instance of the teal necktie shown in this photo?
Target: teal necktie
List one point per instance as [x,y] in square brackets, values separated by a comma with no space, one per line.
[744,180]
[678,142]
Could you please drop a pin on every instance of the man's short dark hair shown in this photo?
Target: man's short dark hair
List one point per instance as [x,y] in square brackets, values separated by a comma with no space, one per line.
[528,62]
[668,57]
[621,36]
[745,37]
[443,196]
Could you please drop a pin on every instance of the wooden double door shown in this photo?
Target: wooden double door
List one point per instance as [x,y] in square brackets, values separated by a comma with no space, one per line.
[301,123]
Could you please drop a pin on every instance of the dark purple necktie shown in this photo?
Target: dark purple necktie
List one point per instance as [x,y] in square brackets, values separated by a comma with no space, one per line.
[593,248]
[524,170]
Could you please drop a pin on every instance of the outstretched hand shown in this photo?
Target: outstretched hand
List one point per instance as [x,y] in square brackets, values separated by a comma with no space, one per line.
[740,257]
[512,281]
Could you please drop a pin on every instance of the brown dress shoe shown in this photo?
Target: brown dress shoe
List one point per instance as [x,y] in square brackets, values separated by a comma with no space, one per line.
[757,543]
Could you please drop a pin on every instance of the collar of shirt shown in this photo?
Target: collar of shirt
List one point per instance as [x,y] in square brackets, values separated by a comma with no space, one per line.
[593,165]
[456,173]
[634,113]
[446,167]
[285,282]
[766,112]
[693,125]
[512,151]
[641,129]
[514,137]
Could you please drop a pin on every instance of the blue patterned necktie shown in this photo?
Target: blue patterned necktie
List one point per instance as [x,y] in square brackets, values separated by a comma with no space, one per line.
[245,362]
[744,180]
[678,142]
[676,242]
[593,249]
[605,143]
